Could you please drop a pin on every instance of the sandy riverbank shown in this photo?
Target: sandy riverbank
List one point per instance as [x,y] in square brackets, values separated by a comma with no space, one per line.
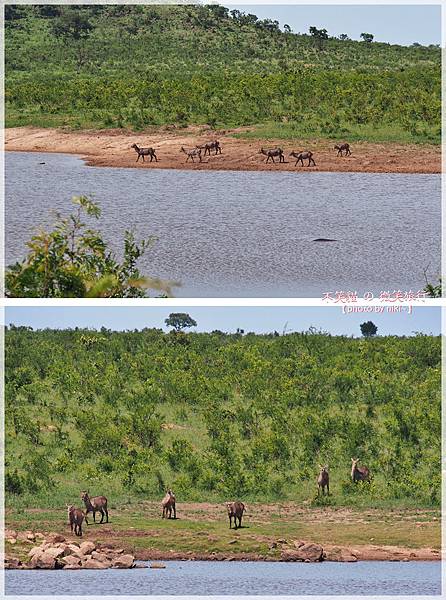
[112,148]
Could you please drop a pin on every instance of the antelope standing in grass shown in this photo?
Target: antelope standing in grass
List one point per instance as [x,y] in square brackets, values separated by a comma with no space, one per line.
[301,156]
[75,518]
[208,146]
[168,504]
[359,473]
[192,153]
[341,147]
[94,505]
[323,481]
[271,153]
[145,152]
[235,511]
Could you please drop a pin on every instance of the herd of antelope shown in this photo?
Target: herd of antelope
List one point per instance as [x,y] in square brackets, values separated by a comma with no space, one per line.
[98,504]
[271,153]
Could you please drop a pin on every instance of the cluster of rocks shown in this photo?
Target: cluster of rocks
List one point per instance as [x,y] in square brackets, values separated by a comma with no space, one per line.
[55,552]
[300,551]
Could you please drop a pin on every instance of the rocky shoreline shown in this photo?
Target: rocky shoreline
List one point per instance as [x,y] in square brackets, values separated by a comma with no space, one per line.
[57,552]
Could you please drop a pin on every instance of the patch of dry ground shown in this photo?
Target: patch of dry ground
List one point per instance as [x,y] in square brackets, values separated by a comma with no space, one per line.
[112,148]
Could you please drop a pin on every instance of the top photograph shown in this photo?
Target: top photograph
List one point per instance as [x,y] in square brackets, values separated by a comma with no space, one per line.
[198,150]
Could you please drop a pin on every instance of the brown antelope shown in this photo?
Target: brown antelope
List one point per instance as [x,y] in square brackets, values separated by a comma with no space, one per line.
[301,156]
[270,154]
[208,146]
[192,153]
[145,152]
[94,505]
[341,147]
[235,511]
[323,481]
[359,473]
[168,504]
[75,518]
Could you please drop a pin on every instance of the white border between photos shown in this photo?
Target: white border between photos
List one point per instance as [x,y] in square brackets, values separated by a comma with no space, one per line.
[214,301]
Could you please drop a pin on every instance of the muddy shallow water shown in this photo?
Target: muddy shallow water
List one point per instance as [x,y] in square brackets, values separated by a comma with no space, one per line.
[245,234]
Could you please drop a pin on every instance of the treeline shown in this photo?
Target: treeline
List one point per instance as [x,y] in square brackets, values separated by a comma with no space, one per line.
[140,66]
[220,415]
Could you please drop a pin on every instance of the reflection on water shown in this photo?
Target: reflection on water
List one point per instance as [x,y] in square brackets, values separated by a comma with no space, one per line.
[227,233]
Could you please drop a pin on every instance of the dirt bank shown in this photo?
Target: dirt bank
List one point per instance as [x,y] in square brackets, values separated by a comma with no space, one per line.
[112,148]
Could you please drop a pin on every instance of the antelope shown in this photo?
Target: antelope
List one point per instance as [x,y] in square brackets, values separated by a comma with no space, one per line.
[75,518]
[208,146]
[341,147]
[168,504]
[323,480]
[359,473]
[192,153]
[235,511]
[94,505]
[145,152]
[300,156]
[270,154]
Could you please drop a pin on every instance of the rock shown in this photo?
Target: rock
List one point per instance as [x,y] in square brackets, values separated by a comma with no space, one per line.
[71,567]
[298,544]
[157,565]
[69,560]
[25,536]
[310,552]
[337,554]
[91,563]
[10,533]
[40,536]
[34,551]
[43,560]
[125,561]
[99,556]
[31,536]
[54,552]
[55,538]
[12,563]
[233,542]
[87,547]
[11,540]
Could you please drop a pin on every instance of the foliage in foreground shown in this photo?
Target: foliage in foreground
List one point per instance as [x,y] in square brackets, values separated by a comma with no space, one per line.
[219,415]
[73,261]
[142,66]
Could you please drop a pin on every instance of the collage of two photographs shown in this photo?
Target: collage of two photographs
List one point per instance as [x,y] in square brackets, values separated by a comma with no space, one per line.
[222,299]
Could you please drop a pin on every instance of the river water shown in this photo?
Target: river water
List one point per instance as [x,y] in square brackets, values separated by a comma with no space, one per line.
[245,234]
[237,578]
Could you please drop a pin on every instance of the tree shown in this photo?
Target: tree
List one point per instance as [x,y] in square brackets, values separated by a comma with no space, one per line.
[72,25]
[287,28]
[344,37]
[319,35]
[367,37]
[368,329]
[73,261]
[180,321]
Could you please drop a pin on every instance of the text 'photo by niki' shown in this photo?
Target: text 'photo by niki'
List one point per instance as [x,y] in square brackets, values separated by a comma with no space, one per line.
[222,311]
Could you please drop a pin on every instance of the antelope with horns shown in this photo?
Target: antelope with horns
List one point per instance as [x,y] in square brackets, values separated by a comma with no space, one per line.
[301,156]
[271,153]
[145,152]
[341,147]
[94,505]
[359,473]
[323,480]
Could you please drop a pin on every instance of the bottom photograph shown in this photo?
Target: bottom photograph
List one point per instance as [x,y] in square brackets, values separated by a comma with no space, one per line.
[219,451]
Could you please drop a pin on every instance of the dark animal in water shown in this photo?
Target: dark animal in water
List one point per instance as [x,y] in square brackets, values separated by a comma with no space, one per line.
[94,505]
[301,156]
[235,511]
[270,154]
[323,480]
[145,152]
[359,473]
[168,504]
[75,518]
[341,147]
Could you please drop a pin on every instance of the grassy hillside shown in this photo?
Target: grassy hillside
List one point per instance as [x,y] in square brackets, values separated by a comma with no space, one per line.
[142,66]
[217,416]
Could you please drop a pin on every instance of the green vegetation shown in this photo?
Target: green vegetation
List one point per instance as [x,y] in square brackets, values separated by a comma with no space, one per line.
[73,261]
[142,66]
[218,416]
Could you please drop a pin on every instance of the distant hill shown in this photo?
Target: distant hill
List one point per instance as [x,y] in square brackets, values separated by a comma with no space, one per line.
[138,66]
[220,415]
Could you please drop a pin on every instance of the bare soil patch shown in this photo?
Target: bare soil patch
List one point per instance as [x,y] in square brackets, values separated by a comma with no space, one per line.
[112,148]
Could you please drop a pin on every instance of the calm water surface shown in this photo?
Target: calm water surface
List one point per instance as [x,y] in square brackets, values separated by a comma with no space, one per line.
[242,234]
[237,578]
